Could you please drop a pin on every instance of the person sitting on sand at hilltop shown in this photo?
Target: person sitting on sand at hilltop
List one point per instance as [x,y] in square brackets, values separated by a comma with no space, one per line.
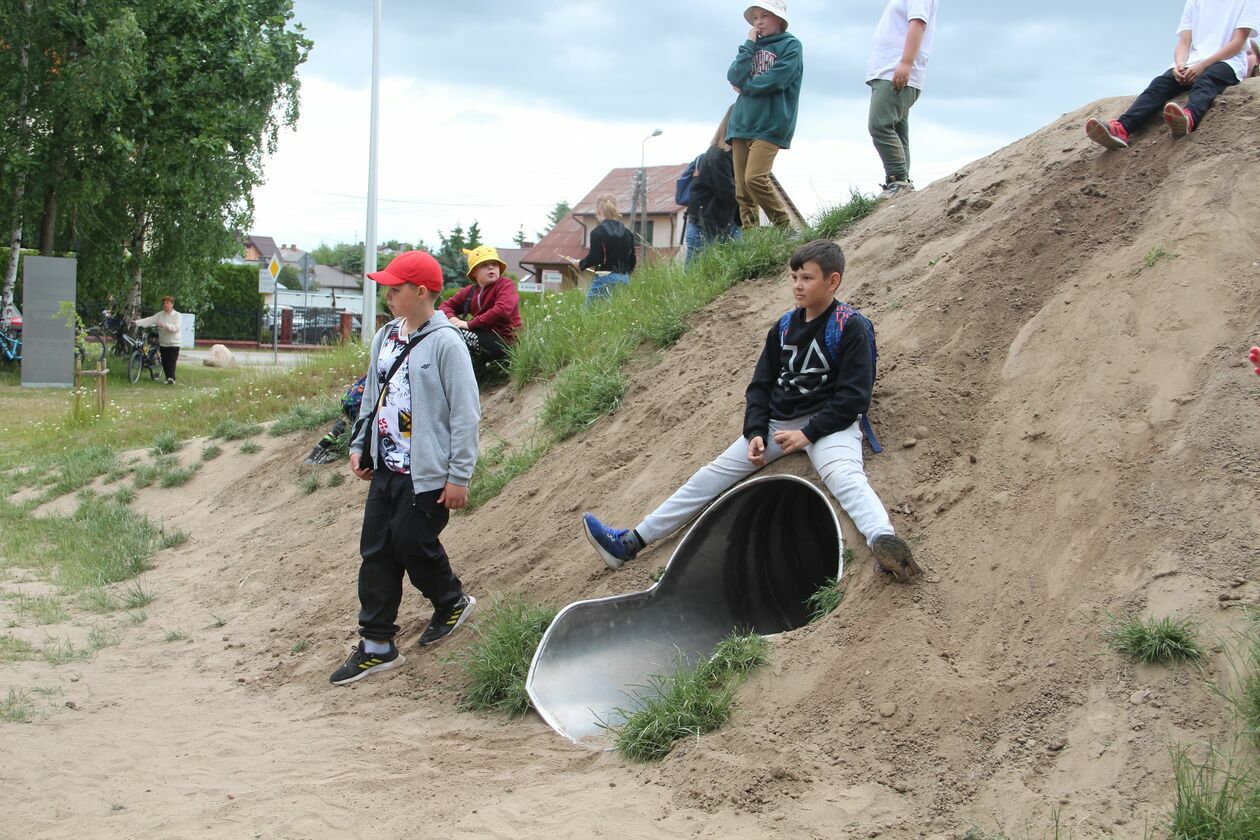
[487,312]
[809,393]
[1210,56]
[419,378]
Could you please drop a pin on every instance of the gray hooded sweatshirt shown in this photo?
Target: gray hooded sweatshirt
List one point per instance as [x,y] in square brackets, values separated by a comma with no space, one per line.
[445,406]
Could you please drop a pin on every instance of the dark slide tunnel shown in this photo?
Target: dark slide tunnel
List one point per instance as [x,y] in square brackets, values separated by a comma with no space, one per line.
[749,561]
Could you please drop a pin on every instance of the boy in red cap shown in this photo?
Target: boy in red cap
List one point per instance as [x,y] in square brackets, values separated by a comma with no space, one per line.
[419,403]
[487,312]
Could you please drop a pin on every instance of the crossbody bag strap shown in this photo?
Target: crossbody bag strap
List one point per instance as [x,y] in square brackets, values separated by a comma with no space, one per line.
[402,357]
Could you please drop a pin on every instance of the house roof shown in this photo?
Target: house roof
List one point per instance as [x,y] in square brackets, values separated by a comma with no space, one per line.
[291,255]
[512,256]
[566,239]
[331,277]
[620,182]
[265,245]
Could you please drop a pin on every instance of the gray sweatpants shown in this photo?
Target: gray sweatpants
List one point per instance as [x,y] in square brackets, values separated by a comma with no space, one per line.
[837,457]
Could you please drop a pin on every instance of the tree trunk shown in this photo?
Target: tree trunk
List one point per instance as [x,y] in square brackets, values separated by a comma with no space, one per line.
[137,257]
[48,230]
[19,189]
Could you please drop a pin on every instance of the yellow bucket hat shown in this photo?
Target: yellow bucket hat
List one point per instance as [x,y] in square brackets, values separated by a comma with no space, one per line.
[483,254]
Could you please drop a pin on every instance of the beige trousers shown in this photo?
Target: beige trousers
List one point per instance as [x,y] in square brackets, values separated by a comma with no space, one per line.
[753,160]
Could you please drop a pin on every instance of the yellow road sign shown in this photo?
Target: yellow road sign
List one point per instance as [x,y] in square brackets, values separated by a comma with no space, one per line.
[273,267]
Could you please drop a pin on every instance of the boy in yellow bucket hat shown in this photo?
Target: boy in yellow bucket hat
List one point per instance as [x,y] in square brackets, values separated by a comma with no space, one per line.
[487,312]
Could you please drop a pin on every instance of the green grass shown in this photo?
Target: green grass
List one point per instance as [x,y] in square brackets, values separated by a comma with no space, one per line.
[97,599]
[1154,641]
[250,447]
[497,466]
[314,414]
[336,479]
[137,617]
[75,468]
[496,663]
[219,621]
[61,651]
[825,600]
[1217,797]
[690,701]
[39,609]
[17,707]
[101,638]
[136,596]
[146,475]
[13,649]
[165,443]
[300,646]
[124,495]
[172,538]
[176,635]
[230,429]
[1159,252]
[584,392]
[209,453]
[102,542]
[309,484]
[175,476]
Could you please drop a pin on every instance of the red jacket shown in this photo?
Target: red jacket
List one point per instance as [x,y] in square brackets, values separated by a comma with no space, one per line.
[496,308]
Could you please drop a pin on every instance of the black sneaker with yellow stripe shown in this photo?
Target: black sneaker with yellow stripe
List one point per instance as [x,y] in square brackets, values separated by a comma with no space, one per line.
[446,619]
[361,663]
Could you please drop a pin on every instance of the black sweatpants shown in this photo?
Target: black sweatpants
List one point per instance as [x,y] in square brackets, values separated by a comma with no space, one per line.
[484,345]
[1164,87]
[400,534]
[170,355]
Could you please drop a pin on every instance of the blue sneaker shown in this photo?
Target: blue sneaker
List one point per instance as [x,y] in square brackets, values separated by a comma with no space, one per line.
[615,546]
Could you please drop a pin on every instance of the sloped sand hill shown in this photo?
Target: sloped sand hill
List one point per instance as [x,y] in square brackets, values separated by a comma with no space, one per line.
[1069,431]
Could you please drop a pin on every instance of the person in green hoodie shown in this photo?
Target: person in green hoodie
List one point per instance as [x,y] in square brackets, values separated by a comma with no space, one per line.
[766,73]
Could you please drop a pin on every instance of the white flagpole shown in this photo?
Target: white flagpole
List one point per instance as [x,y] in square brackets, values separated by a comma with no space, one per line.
[368,328]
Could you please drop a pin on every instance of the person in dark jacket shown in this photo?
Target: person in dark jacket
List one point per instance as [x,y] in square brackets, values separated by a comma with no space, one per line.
[487,312]
[611,255]
[808,394]
[712,211]
[766,73]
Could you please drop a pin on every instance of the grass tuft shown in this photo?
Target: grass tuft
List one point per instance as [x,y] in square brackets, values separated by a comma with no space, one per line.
[497,662]
[176,635]
[309,484]
[178,476]
[166,443]
[98,600]
[17,707]
[497,466]
[13,649]
[306,416]
[1216,797]
[336,479]
[172,538]
[583,393]
[230,429]
[689,702]
[209,453]
[824,601]
[137,595]
[60,651]
[41,609]
[250,447]
[300,646]
[1153,256]
[1154,641]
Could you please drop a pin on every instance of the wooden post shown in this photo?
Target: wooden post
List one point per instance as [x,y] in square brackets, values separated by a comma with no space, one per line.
[100,387]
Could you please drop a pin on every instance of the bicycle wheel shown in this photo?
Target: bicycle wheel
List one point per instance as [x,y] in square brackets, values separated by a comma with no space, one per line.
[134,366]
[154,364]
[91,351]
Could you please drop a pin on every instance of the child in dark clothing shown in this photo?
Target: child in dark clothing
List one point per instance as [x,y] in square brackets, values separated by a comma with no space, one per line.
[712,210]
[1210,56]
[810,390]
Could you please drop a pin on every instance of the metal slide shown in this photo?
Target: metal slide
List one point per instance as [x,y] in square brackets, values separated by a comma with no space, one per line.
[749,561]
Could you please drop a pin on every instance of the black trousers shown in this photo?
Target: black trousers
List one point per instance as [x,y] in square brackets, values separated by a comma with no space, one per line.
[484,345]
[169,355]
[1165,86]
[400,534]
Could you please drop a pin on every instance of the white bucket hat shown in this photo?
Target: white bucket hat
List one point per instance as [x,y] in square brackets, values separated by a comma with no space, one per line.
[774,7]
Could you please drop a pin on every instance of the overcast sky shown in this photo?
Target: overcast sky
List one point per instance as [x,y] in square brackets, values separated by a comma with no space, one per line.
[494,110]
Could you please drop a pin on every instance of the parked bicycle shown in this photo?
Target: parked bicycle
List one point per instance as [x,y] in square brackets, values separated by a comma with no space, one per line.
[144,357]
[89,348]
[10,344]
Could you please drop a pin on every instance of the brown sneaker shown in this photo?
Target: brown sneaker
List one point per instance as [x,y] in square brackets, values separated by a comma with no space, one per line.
[894,556]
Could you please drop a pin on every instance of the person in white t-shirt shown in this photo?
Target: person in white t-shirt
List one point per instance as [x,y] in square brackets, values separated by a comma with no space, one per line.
[894,72]
[1210,56]
[169,338]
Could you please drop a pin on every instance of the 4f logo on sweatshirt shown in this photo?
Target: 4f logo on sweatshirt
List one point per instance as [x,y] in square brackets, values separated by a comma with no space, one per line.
[804,372]
[762,61]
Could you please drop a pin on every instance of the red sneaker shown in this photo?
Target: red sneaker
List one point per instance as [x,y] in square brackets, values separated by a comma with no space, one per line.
[1110,135]
[1180,120]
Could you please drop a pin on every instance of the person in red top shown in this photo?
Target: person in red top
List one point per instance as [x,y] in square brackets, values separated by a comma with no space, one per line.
[487,312]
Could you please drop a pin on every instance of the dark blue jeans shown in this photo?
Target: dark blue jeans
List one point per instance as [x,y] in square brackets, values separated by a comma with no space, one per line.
[1164,87]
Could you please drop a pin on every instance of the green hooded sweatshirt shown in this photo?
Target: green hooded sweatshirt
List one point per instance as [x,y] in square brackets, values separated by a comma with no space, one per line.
[768,73]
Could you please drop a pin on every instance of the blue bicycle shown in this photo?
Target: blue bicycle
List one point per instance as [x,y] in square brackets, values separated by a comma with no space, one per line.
[10,345]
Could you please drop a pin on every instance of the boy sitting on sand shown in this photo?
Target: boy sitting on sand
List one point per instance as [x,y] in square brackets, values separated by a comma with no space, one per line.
[1210,56]
[811,387]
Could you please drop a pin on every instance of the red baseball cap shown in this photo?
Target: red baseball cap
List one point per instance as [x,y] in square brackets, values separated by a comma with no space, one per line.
[415,267]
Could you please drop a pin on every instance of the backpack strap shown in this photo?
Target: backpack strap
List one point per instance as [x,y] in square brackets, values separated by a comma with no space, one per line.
[835,331]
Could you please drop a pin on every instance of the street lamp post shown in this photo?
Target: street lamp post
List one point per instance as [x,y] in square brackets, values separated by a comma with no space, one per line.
[641,191]
[367,327]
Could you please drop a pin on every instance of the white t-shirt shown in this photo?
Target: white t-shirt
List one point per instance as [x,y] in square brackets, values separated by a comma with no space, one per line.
[890,40]
[1213,22]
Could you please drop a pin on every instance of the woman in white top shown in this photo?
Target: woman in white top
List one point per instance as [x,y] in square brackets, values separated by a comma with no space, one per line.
[167,322]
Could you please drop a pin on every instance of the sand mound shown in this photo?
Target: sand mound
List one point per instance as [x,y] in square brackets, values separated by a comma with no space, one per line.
[1084,440]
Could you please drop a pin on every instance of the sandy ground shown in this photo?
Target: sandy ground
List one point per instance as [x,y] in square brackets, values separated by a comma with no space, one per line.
[1069,432]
